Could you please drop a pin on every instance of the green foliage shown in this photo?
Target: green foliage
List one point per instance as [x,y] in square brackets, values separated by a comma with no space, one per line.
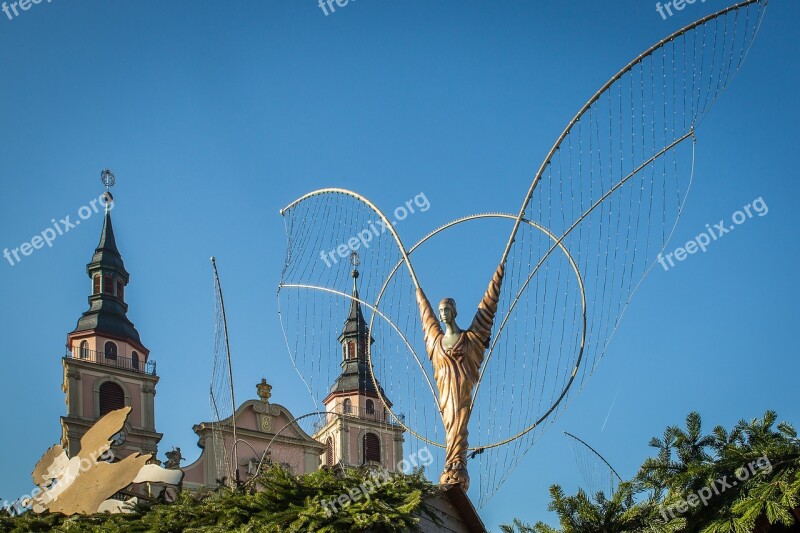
[688,462]
[281,503]
[581,513]
[665,494]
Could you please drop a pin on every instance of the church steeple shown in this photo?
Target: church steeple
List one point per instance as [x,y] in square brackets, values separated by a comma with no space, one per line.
[107,312]
[107,255]
[355,341]
[358,429]
[106,366]
[355,331]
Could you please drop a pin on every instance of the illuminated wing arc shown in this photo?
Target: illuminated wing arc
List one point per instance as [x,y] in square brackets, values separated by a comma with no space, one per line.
[387,223]
[319,289]
[604,90]
[610,190]
[596,454]
[558,243]
[376,313]
[668,119]
[221,389]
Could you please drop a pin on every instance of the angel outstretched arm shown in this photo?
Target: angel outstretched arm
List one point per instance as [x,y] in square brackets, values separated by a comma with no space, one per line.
[484,318]
[430,323]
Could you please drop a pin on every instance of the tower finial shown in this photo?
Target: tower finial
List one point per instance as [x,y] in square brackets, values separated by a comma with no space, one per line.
[355,260]
[109,180]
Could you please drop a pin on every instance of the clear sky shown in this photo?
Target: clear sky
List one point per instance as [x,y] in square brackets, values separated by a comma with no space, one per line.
[214,115]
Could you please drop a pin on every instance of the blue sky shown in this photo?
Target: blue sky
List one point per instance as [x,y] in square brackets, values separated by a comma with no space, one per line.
[214,115]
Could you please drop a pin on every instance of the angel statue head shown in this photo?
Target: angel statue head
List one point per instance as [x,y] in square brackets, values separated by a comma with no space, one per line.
[448,311]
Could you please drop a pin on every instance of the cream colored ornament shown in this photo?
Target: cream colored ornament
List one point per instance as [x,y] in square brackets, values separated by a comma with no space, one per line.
[84,484]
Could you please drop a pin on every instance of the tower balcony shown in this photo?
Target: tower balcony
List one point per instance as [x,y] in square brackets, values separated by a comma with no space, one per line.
[116,361]
[379,415]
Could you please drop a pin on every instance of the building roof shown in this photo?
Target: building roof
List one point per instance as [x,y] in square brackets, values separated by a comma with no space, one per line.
[355,325]
[107,313]
[106,255]
[355,376]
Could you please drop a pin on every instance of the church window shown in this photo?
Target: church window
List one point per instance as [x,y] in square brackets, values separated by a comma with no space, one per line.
[84,351]
[96,284]
[111,350]
[351,350]
[347,406]
[112,397]
[372,448]
[108,285]
[135,360]
[329,452]
[370,407]
[120,290]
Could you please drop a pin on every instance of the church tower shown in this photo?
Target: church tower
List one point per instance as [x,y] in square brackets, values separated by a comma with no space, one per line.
[358,430]
[106,366]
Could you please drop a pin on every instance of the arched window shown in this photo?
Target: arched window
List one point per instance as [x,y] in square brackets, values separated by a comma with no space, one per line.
[135,360]
[370,407]
[96,284]
[347,406]
[111,350]
[84,351]
[329,452]
[112,397]
[372,448]
[108,285]
[351,350]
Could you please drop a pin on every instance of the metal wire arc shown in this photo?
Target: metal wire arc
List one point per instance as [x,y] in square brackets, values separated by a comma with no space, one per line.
[598,94]
[383,399]
[541,262]
[292,422]
[567,433]
[387,222]
[218,287]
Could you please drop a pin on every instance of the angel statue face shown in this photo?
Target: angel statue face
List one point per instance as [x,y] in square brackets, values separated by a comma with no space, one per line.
[447,310]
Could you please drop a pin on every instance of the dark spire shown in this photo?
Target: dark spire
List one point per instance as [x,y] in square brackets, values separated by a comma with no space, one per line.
[355,341]
[107,308]
[106,255]
[355,325]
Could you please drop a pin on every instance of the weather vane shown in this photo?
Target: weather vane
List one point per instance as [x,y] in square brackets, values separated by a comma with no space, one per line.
[108,178]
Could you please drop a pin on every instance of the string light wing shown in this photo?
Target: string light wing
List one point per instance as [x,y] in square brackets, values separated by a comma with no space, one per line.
[611,189]
[597,473]
[317,294]
[221,395]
